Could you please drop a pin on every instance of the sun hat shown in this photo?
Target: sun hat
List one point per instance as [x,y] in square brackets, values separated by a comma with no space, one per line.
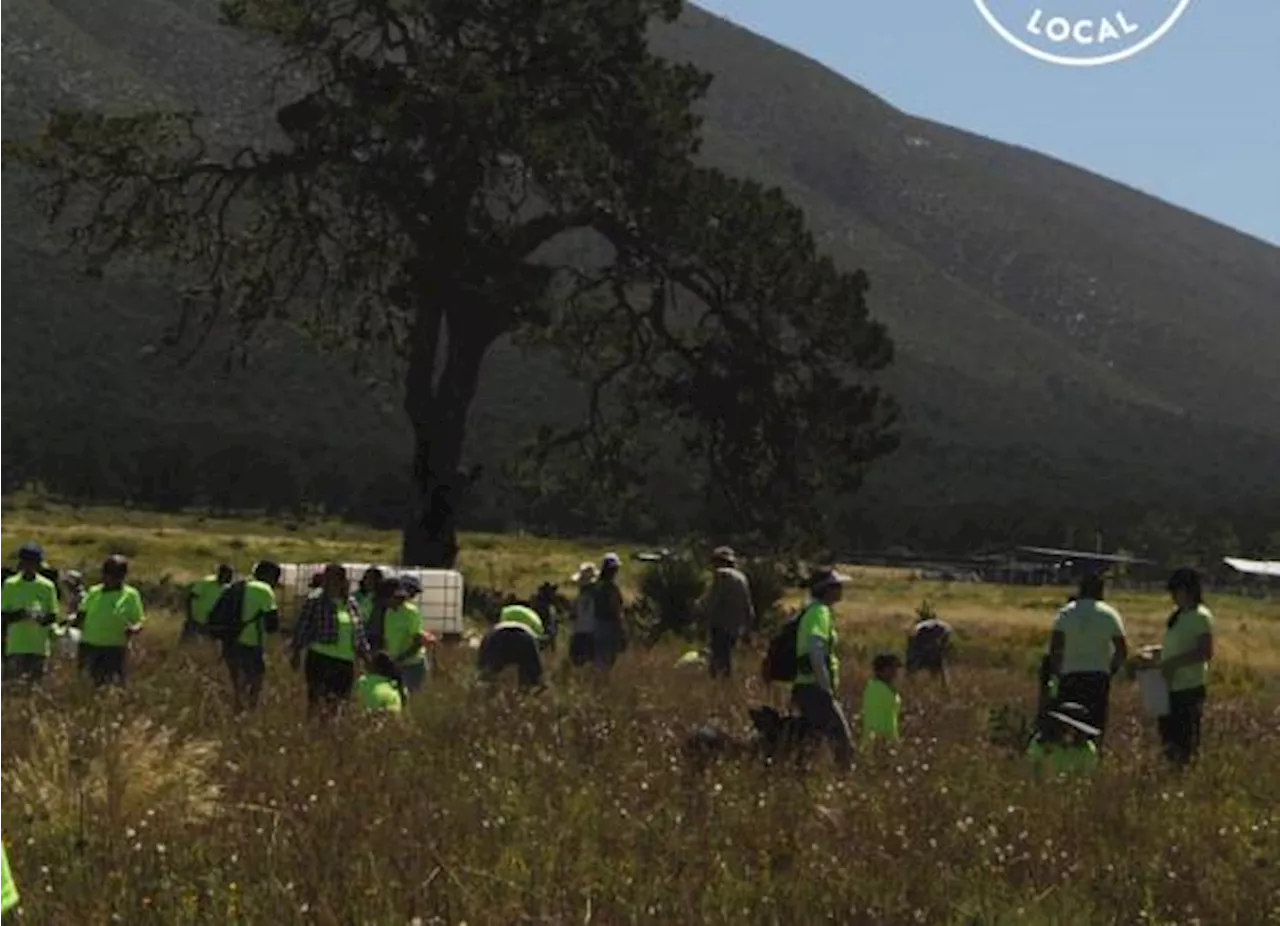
[823,579]
[31,551]
[611,560]
[1073,715]
[724,555]
[586,573]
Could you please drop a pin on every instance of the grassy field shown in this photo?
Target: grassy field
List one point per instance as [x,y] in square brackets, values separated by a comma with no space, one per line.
[155,805]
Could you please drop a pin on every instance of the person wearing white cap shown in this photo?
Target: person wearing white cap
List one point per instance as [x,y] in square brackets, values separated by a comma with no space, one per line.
[607,611]
[814,689]
[1065,743]
[582,639]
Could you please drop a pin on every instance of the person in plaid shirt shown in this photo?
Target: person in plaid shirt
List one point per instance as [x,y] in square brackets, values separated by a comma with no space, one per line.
[332,635]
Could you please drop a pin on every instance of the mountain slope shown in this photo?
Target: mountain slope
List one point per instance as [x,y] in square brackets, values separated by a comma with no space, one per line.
[1061,337]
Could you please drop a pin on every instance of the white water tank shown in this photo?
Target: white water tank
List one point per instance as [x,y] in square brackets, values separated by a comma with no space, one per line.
[440,601]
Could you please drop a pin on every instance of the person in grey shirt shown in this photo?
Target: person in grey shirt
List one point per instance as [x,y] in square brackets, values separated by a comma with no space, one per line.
[728,610]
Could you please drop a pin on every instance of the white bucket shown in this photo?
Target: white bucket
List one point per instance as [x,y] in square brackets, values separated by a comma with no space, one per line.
[1155,692]
[69,643]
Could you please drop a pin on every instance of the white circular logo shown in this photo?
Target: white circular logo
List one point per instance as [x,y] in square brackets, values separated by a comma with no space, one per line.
[1112,32]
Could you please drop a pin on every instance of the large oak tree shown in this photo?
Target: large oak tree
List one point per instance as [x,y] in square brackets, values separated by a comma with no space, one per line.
[450,172]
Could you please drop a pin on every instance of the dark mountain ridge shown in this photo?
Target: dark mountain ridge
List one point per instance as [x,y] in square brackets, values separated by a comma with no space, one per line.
[1065,343]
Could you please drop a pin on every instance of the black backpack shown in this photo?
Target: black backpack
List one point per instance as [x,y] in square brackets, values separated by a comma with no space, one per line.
[781,663]
[224,620]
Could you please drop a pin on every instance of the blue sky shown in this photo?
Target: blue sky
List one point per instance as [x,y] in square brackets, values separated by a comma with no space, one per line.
[1194,119]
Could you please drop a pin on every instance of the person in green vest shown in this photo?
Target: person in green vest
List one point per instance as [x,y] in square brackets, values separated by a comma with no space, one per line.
[881,702]
[29,604]
[201,595]
[814,690]
[245,656]
[1184,660]
[381,689]
[1064,746]
[110,616]
[403,635]
[513,641]
[331,634]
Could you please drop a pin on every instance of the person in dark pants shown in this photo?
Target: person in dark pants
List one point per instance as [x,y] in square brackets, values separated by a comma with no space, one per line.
[608,614]
[929,647]
[1184,661]
[110,616]
[814,691]
[728,609]
[245,655]
[513,641]
[331,634]
[1086,649]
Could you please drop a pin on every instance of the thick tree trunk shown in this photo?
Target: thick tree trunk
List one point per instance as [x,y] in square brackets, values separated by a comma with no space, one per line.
[438,412]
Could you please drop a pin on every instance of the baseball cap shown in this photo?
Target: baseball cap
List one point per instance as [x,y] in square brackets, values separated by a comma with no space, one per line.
[31,551]
[611,560]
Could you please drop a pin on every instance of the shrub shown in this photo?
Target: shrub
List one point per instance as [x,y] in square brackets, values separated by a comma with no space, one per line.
[670,590]
[768,580]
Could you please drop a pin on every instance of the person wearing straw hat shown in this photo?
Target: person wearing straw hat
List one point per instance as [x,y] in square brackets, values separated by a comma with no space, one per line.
[582,639]
[1087,648]
[814,691]
[728,610]
[1064,745]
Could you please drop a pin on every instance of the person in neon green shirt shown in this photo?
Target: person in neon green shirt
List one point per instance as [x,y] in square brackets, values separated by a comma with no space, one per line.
[110,616]
[404,636]
[380,689]
[513,641]
[814,691]
[200,598]
[245,656]
[29,603]
[881,703]
[1184,660]
[331,632]
[1064,746]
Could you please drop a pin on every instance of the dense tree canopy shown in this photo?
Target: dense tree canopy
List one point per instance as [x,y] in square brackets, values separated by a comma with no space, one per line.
[450,172]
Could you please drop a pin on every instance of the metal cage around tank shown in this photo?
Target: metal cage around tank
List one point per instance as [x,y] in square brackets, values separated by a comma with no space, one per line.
[440,600]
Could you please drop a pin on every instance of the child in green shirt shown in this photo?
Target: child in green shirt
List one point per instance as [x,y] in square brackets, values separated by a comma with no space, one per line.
[881,703]
[380,689]
[1064,745]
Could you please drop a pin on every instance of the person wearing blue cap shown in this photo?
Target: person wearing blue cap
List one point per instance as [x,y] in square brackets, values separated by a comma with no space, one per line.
[29,603]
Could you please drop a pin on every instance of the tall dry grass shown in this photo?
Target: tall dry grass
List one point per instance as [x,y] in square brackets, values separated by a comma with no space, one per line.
[578,806]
